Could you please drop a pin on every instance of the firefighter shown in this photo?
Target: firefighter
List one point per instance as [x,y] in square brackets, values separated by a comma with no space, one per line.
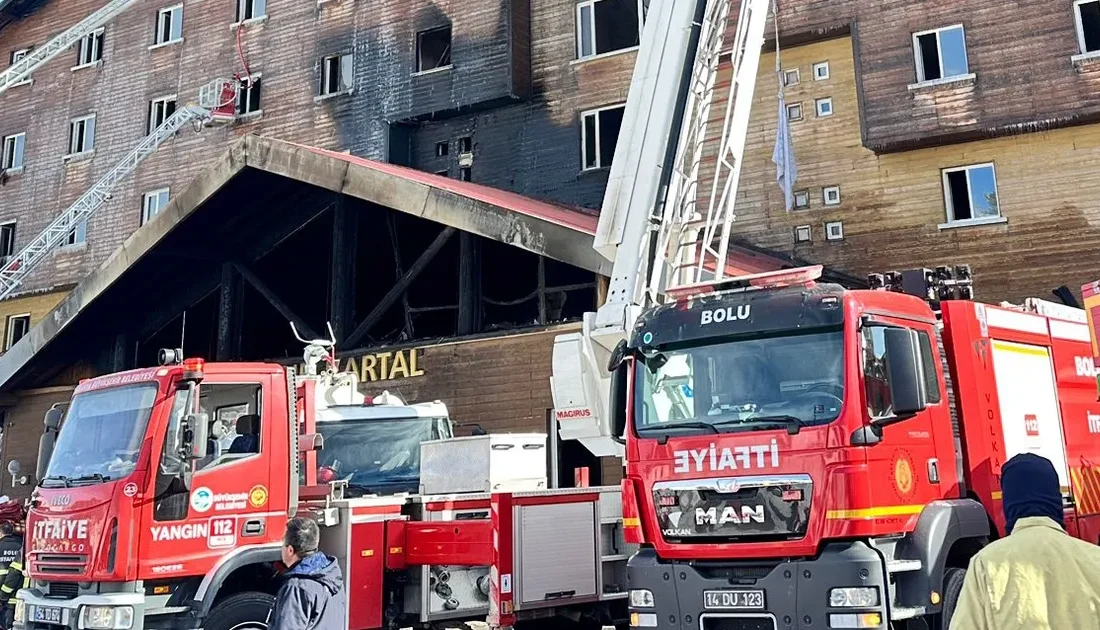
[1038,577]
[11,572]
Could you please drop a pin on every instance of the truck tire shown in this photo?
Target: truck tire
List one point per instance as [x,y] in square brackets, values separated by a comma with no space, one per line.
[952,590]
[243,611]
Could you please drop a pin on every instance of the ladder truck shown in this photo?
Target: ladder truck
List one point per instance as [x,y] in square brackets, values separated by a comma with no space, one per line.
[217,101]
[798,455]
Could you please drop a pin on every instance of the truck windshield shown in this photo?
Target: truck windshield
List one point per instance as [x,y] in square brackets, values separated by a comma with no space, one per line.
[375,456]
[749,385]
[101,435]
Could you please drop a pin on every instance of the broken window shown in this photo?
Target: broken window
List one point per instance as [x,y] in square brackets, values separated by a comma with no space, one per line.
[605,26]
[466,174]
[466,145]
[442,148]
[169,25]
[90,49]
[336,74]
[433,49]
[12,157]
[941,54]
[160,110]
[248,97]
[18,327]
[1088,25]
[599,135]
[82,135]
[152,203]
[251,9]
[7,240]
[970,192]
[78,235]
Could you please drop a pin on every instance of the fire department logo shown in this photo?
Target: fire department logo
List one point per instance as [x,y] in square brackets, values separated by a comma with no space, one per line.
[903,474]
[257,496]
[130,489]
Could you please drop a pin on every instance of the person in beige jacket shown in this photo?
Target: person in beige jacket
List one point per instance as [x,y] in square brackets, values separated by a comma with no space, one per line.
[1038,577]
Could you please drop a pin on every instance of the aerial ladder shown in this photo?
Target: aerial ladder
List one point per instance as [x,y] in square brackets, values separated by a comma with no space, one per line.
[664,233]
[216,103]
[38,57]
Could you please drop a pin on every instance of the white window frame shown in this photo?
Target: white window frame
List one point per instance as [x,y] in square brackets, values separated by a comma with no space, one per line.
[8,343]
[918,62]
[591,4]
[803,194]
[828,100]
[584,136]
[4,257]
[17,55]
[1084,52]
[801,112]
[825,195]
[420,56]
[838,235]
[788,73]
[151,123]
[241,91]
[95,40]
[18,144]
[798,232]
[949,201]
[78,236]
[176,12]
[88,143]
[154,195]
[242,5]
[345,64]
[821,65]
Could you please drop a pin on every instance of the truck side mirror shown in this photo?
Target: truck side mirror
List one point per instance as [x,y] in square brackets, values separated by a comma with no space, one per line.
[197,434]
[617,404]
[47,439]
[903,364]
[53,419]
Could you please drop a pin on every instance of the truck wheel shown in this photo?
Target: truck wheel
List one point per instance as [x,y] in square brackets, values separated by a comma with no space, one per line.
[243,611]
[952,590]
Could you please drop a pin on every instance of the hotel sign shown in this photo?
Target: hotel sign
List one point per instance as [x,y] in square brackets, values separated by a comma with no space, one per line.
[381,366]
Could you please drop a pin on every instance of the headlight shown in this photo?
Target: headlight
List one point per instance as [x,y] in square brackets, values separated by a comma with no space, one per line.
[854,597]
[641,598]
[20,611]
[107,617]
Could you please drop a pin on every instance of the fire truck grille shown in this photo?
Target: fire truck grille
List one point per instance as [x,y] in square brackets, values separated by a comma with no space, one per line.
[768,508]
[735,623]
[61,563]
[62,590]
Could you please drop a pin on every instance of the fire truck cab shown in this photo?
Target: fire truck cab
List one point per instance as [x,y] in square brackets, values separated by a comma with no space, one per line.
[803,456]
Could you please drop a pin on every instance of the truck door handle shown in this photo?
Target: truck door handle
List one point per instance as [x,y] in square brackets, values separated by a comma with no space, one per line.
[254,527]
[934,470]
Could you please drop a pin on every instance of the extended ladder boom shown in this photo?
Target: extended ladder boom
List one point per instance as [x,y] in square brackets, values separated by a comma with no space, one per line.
[23,263]
[21,69]
[662,228]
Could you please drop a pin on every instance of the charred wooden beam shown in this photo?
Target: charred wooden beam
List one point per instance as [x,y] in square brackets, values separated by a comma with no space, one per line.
[275,301]
[399,288]
[469,284]
[229,315]
[345,239]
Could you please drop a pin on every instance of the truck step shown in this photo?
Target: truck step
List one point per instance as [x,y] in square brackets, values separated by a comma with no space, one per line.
[903,566]
[897,613]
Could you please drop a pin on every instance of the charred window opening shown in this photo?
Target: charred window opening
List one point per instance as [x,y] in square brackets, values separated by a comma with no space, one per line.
[248,97]
[1088,26]
[336,74]
[970,193]
[433,49]
[605,26]
[442,149]
[600,135]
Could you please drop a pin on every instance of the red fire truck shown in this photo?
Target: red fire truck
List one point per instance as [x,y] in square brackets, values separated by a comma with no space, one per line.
[163,495]
[804,456]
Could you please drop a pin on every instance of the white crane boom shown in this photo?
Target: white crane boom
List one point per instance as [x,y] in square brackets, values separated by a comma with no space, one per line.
[215,103]
[661,231]
[18,72]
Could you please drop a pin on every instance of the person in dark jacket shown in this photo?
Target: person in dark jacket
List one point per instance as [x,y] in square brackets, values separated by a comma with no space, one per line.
[12,577]
[312,593]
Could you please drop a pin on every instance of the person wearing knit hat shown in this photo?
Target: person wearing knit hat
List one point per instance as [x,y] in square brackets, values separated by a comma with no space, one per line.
[1037,577]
